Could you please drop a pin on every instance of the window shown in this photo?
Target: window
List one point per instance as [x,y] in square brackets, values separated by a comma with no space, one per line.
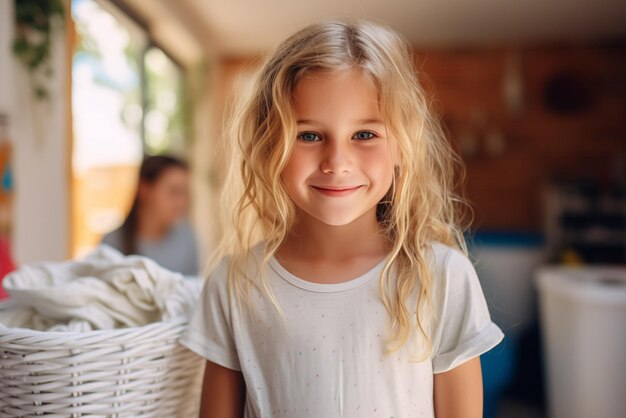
[164,122]
[127,100]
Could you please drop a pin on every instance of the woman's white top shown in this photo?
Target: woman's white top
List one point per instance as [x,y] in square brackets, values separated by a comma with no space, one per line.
[328,360]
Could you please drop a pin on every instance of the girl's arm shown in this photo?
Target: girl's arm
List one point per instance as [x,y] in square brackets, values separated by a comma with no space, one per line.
[458,393]
[223,392]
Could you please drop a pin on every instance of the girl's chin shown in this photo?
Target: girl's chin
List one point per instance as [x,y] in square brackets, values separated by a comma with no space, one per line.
[335,220]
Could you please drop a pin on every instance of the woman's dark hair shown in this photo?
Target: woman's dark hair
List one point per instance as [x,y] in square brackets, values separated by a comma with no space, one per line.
[151,169]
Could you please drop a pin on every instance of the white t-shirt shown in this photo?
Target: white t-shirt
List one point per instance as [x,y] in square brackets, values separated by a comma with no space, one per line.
[328,362]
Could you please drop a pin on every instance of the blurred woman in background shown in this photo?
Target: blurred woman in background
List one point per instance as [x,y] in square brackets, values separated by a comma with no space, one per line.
[157,225]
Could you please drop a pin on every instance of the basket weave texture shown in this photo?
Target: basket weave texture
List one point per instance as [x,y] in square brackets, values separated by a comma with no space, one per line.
[126,372]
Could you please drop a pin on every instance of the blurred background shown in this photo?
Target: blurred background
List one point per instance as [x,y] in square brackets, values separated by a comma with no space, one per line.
[532,94]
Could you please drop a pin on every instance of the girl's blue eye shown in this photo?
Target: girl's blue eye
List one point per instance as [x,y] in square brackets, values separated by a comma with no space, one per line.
[364,135]
[308,136]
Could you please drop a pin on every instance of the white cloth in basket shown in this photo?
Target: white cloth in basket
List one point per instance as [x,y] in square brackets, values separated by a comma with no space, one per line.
[103,290]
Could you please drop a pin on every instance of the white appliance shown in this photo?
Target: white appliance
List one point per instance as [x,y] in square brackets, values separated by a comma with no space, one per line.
[582,313]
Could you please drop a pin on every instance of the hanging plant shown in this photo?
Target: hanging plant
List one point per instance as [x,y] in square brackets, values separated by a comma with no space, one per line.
[33,37]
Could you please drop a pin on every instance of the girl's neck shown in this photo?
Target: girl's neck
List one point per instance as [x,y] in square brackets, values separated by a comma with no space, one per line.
[315,240]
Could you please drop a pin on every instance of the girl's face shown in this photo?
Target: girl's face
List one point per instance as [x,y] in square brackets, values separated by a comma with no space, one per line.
[168,197]
[342,162]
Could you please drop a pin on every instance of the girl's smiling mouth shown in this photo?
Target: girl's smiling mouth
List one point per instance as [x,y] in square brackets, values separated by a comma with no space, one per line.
[337,191]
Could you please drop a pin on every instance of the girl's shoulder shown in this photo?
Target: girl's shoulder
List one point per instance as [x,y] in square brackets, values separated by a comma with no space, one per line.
[248,266]
[442,255]
[452,272]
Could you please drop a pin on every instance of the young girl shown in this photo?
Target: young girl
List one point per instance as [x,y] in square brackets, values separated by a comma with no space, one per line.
[342,286]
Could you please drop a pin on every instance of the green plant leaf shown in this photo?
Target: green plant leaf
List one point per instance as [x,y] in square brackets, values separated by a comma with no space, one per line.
[32,41]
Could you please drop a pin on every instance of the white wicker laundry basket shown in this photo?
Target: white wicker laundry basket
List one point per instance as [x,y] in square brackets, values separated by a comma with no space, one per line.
[126,372]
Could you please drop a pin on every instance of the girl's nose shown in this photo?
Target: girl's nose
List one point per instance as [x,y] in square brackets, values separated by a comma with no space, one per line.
[337,157]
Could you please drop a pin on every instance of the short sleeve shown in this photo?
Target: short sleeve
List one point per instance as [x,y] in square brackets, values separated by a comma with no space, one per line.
[210,331]
[464,328]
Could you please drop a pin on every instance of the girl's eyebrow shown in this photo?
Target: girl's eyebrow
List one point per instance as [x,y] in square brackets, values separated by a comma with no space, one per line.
[358,121]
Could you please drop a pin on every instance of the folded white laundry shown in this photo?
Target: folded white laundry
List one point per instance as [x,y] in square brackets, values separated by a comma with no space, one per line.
[103,290]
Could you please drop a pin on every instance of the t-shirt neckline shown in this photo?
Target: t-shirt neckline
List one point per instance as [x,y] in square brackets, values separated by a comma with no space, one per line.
[327,287]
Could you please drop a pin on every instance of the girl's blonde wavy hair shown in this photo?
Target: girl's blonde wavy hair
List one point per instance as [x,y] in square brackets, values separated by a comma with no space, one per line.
[421,205]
